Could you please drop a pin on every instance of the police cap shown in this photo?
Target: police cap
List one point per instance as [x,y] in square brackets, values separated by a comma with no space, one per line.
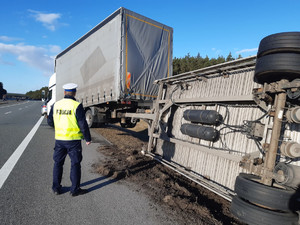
[70,87]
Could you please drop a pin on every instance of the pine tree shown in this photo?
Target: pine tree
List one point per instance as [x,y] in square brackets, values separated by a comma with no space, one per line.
[190,63]
[229,57]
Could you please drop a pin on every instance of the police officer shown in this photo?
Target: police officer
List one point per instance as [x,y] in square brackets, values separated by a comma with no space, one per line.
[68,118]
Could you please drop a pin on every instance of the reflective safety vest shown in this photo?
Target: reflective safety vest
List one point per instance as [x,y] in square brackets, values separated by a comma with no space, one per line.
[65,122]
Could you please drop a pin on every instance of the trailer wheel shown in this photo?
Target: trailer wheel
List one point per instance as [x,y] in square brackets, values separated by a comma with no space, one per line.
[247,187]
[251,214]
[274,67]
[89,118]
[279,43]
[128,124]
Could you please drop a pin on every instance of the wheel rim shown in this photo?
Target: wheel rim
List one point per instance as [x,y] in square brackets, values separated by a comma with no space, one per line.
[88,118]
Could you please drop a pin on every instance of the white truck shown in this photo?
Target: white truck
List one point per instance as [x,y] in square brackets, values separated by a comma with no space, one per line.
[115,65]
[51,98]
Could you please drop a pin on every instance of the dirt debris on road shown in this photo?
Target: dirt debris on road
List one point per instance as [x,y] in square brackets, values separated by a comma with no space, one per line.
[179,196]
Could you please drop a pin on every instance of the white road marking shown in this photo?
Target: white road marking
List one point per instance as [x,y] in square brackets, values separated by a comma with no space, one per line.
[12,161]
[7,113]
[6,106]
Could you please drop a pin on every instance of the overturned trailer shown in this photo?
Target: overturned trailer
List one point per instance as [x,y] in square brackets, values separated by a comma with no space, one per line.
[234,128]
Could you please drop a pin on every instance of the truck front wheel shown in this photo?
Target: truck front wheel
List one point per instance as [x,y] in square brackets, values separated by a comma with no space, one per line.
[89,118]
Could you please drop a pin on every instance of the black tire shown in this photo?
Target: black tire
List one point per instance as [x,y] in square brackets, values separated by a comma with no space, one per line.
[279,43]
[248,188]
[255,215]
[271,68]
[89,118]
[128,124]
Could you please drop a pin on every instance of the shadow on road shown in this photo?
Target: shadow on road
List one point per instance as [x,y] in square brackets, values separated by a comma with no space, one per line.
[97,186]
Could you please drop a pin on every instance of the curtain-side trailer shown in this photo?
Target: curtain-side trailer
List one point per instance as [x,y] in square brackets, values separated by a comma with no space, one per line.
[115,65]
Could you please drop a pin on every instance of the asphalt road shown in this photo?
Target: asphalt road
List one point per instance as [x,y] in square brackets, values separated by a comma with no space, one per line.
[26,196]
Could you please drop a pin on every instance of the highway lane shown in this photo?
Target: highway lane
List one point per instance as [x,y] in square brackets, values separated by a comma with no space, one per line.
[26,196]
[16,120]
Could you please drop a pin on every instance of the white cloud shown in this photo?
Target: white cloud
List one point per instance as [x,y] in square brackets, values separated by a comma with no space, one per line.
[55,49]
[9,39]
[36,57]
[49,20]
[247,50]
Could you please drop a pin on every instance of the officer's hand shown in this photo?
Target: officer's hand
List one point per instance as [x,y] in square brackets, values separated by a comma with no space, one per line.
[88,143]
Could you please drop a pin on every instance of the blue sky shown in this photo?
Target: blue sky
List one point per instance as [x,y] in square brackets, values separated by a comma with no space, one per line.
[33,32]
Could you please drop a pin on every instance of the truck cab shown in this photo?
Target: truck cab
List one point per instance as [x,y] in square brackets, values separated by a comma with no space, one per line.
[51,98]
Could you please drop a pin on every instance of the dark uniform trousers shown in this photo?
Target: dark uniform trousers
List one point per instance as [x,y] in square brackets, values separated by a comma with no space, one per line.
[74,150]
